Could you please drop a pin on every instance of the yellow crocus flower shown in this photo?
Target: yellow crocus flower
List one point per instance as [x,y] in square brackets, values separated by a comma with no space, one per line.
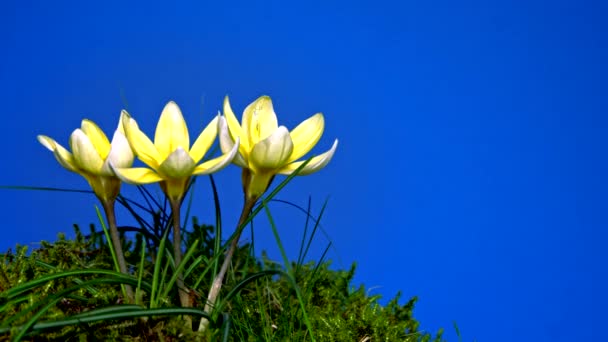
[92,156]
[267,149]
[171,160]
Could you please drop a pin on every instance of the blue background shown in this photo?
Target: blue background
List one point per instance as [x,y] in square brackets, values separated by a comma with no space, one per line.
[471,169]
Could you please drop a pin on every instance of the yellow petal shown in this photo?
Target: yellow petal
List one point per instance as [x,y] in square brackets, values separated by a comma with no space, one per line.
[204,140]
[227,144]
[141,145]
[272,152]
[97,137]
[137,175]
[218,163]
[171,131]
[63,156]
[259,120]
[47,142]
[124,117]
[235,128]
[178,165]
[86,156]
[314,165]
[306,136]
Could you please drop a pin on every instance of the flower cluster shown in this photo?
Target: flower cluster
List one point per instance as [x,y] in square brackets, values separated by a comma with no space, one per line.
[258,144]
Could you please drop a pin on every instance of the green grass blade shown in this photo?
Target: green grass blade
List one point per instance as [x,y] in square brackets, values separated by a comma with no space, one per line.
[300,256]
[156,274]
[114,314]
[54,299]
[140,277]
[22,288]
[217,238]
[91,289]
[234,291]
[194,264]
[290,277]
[304,211]
[40,188]
[180,268]
[314,230]
[225,326]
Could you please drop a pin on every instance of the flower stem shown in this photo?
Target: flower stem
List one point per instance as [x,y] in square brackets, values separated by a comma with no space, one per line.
[108,207]
[219,278]
[184,298]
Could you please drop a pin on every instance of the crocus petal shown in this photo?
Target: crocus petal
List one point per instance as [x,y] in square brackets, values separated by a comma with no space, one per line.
[235,128]
[124,116]
[137,175]
[314,165]
[218,163]
[227,144]
[86,156]
[63,156]
[171,131]
[97,137]
[204,140]
[306,136]
[47,142]
[66,159]
[259,120]
[179,164]
[141,145]
[120,155]
[272,152]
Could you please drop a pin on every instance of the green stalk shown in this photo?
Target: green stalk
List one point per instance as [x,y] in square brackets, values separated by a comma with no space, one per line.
[108,207]
[184,298]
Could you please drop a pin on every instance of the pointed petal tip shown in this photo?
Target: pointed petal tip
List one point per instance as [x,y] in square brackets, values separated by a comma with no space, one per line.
[172,106]
[124,116]
[47,142]
[315,164]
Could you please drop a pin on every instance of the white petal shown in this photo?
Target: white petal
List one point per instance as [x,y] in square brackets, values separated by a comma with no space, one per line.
[120,156]
[315,164]
[218,163]
[227,144]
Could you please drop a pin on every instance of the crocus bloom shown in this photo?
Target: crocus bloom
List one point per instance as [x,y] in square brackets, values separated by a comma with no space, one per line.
[171,160]
[267,149]
[92,154]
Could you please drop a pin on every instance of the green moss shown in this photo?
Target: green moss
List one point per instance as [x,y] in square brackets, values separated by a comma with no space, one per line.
[265,309]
